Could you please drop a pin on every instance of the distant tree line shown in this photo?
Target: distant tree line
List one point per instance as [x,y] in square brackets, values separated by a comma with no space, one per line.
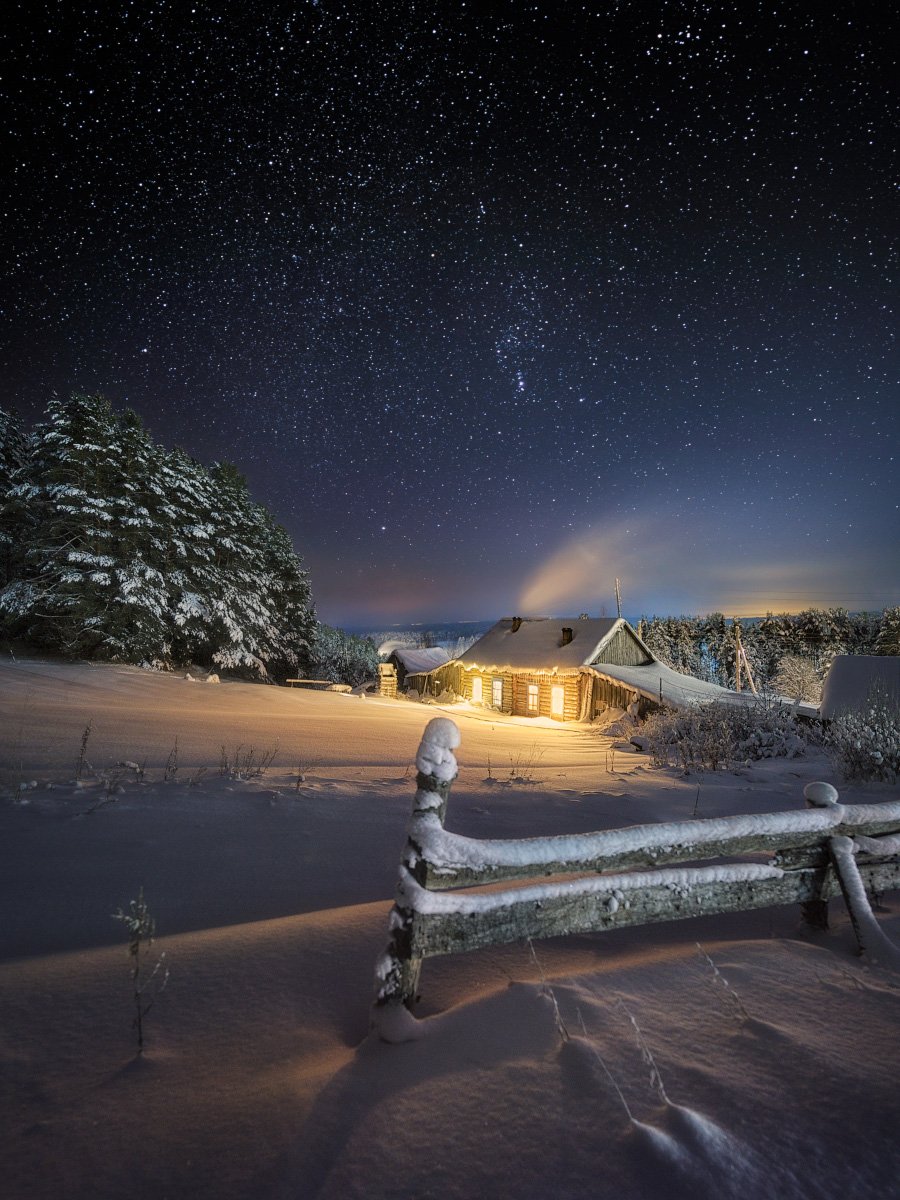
[113,547]
[790,651]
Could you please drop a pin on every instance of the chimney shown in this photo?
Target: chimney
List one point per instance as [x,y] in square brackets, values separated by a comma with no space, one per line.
[566,635]
[516,622]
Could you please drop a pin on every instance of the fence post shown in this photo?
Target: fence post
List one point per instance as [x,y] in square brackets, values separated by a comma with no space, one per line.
[397,970]
[818,795]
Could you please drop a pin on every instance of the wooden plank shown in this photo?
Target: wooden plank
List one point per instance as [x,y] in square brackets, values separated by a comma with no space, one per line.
[443,858]
[510,920]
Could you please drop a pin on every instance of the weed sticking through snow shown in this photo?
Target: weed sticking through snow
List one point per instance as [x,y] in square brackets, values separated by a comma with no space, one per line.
[549,992]
[171,768]
[81,763]
[145,985]
[655,1078]
[247,762]
[722,989]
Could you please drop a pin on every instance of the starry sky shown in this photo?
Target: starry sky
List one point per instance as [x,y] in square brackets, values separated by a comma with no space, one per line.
[492,303]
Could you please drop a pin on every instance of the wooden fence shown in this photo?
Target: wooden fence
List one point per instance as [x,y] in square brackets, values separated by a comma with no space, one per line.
[594,881]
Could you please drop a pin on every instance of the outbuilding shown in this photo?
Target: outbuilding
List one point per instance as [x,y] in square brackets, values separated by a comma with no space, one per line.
[854,681]
[415,660]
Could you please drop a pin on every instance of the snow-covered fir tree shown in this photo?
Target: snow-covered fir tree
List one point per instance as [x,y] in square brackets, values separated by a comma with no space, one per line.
[136,628]
[888,639]
[774,640]
[864,628]
[13,451]
[59,502]
[718,650]
[135,553]
[261,597]
[343,657]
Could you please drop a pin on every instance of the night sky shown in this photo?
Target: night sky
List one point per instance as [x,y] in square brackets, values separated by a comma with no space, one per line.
[492,303]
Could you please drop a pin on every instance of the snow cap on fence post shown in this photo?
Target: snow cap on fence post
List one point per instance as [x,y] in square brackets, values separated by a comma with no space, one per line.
[436,766]
[397,970]
[820,795]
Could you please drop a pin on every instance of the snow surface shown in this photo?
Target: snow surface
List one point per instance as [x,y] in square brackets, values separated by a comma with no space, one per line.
[272,895]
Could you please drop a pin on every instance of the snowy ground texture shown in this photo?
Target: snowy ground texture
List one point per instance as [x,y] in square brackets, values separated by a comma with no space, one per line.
[621,1065]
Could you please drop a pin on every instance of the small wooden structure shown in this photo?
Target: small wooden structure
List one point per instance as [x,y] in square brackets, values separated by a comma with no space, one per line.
[387,680]
[429,918]
[415,660]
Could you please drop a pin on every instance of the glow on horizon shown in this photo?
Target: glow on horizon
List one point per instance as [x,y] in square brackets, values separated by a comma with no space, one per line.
[661,571]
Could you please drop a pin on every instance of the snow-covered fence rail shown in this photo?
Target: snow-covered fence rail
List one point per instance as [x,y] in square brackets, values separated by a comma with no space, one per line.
[430,918]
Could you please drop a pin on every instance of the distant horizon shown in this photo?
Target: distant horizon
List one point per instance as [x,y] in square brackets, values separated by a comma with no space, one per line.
[360,628]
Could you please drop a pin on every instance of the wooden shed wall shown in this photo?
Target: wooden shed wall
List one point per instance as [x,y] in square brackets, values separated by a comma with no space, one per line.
[607,694]
[623,651]
[445,678]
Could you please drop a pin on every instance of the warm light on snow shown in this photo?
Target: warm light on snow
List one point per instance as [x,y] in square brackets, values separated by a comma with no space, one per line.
[272,897]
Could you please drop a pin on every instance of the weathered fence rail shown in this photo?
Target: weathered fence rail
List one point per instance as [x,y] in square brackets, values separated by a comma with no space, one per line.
[590,890]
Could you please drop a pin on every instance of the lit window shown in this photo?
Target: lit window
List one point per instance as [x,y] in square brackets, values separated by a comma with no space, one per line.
[476,689]
[532,697]
[497,693]
[557,701]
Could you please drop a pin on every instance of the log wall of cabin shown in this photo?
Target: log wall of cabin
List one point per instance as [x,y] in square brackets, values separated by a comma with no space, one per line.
[515,692]
[487,687]
[570,683]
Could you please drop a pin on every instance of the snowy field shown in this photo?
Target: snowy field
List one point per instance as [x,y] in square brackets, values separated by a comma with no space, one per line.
[271,896]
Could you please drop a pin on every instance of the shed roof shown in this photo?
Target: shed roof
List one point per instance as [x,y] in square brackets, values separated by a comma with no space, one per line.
[683,691]
[853,678]
[536,643]
[414,659]
[677,689]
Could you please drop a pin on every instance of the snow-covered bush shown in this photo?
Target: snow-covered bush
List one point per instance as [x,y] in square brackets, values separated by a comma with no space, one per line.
[866,744]
[798,678]
[709,736]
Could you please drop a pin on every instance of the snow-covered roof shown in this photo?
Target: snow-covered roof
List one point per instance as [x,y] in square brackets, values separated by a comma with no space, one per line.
[677,690]
[536,643]
[420,658]
[388,647]
[852,678]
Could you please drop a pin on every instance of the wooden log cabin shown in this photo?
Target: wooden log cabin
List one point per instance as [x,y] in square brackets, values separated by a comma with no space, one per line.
[567,669]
